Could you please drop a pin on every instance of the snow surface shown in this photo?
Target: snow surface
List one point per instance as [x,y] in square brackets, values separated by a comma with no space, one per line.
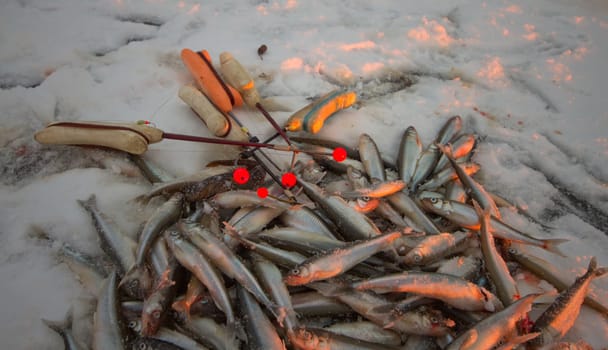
[528,77]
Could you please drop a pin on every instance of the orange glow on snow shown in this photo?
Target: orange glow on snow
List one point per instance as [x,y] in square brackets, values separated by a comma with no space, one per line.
[181,4]
[419,34]
[513,9]
[262,10]
[194,9]
[358,46]
[372,67]
[560,71]
[493,70]
[579,19]
[291,4]
[531,35]
[432,32]
[294,63]
[505,32]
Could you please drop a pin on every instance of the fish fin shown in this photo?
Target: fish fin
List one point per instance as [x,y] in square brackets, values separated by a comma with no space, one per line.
[328,289]
[551,245]
[60,326]
[182,307]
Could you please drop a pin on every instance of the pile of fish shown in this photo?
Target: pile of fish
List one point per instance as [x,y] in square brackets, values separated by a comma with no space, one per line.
[360,254]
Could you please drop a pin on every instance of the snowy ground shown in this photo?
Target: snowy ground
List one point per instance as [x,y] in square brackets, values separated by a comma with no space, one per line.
[528,77]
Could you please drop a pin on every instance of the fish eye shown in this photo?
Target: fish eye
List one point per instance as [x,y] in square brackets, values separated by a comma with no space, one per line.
[295,271]
[132,324]
[365,198]
[512,251]
[417,258]
[142,346]
[434,320]
[434,200]
[156,314]
[134,283]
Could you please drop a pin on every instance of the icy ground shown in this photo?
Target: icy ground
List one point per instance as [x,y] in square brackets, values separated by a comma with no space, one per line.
[528,77]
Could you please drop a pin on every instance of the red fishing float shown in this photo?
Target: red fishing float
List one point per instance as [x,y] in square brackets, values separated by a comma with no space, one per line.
[288,180]
[339,154]
[262,192]
[240,176]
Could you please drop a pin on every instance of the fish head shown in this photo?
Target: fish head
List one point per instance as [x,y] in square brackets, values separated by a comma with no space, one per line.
[414,257]
[298,275]
[151,318]
[436,205]
[136,282]
[429,321]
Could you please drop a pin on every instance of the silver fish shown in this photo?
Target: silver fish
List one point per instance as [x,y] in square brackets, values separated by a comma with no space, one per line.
[365,303]
[465,216]
[424,166]
[226,261]
[336,262]
[64,329]
[137,280]
[261,333]
[406,206]
[245,198]
[353,225]
[454,291]
[150,170]
[272,281]
[194,261]
[550,273]
[313,339]
[409,152]
[371,159]
[305,219]
[108,324]
[491,330]
[476,190]
[557,320]
[435,247]
[506,288]
[366,331]
[119,246]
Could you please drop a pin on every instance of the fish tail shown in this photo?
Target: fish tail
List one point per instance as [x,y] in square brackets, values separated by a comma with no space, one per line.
[594,270]
[89,203]
[552,244]
[61,326]
[446,149]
